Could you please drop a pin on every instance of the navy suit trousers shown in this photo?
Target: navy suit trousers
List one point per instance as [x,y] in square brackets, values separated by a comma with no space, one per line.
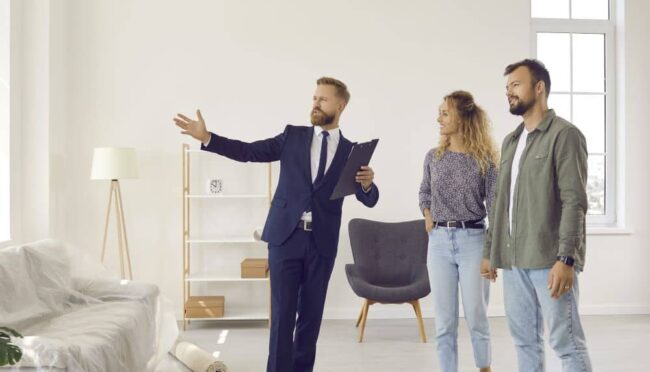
[299,280]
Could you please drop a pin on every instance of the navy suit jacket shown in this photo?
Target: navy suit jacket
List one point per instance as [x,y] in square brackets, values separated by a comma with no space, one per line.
[295,189]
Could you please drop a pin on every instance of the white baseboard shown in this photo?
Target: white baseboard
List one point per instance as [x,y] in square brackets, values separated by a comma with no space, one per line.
[614,309]
[405,311]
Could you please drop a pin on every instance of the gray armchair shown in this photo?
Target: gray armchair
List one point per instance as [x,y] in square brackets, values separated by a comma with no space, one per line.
[389,265]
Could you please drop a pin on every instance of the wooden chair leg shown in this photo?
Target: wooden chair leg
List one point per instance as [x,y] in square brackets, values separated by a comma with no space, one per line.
[364,317]
[418,314]
[360,316]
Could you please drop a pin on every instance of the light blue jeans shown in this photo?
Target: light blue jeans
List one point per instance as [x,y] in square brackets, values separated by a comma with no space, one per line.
[528,303]
[455,258]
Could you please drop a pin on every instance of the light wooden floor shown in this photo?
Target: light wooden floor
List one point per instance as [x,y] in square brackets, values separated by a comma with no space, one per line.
[616,343]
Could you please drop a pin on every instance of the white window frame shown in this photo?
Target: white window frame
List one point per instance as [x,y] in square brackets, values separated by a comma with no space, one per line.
[607,28]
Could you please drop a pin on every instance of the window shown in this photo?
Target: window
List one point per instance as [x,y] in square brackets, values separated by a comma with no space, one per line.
[5,197]
[575,40]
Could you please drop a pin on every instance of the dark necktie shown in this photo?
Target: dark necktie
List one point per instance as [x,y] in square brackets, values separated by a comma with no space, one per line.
[323,158]
[322,161]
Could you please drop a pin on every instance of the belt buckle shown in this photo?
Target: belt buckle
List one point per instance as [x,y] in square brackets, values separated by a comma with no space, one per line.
[306,225]
[456,224]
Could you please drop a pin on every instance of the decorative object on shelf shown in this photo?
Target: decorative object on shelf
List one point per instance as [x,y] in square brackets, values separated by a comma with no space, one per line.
[257,234]
[205,307]
[10,354]
[254,268]
[114,164]
[215,186]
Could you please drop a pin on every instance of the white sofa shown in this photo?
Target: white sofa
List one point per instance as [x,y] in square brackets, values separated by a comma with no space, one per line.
[73,318]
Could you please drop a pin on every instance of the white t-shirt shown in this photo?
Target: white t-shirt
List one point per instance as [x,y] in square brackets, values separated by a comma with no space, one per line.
[521,145]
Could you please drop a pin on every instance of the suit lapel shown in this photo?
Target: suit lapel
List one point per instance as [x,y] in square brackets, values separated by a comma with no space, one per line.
[305,154]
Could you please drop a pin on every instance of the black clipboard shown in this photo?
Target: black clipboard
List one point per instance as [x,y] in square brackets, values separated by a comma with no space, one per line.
[360,155]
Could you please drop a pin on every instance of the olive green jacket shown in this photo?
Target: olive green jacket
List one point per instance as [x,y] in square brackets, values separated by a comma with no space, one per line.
[550,199]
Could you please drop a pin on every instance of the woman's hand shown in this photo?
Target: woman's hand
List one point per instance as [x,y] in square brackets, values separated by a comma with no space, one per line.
[428,223]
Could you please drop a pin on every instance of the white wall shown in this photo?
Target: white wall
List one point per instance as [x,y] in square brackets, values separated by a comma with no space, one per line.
[119,71]
[6,219]
[33,75]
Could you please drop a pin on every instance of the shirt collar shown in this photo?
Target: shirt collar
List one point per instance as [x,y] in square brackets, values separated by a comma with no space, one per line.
[334,133]
[542,127]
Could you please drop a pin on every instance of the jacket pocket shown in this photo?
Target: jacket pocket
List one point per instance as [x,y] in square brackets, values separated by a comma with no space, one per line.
[538,163]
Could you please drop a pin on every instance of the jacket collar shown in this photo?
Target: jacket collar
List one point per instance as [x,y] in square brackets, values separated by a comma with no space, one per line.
[542,127]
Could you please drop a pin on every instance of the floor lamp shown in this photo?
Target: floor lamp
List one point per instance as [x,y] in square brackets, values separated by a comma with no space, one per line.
[113,163]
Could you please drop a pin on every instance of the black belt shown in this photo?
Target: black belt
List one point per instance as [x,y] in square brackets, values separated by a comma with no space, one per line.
[476,224]
[304,225]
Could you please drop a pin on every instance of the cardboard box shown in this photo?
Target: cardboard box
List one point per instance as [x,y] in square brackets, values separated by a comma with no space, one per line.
[254,268]
[205,307]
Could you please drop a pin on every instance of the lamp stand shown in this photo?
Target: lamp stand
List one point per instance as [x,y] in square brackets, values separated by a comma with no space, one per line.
[122,242]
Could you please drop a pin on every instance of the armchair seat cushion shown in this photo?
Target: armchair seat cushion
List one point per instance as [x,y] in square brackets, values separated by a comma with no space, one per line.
[401,287]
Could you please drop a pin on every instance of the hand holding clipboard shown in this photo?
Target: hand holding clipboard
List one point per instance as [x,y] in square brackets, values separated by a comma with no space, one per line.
[359,156]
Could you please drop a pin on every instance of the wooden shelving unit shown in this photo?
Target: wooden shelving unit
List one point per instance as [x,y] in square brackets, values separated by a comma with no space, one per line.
[231,276]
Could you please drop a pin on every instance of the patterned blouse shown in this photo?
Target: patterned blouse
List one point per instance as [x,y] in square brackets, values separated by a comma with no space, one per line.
[453,188]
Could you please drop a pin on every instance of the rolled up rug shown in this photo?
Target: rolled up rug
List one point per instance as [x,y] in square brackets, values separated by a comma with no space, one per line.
[197,359]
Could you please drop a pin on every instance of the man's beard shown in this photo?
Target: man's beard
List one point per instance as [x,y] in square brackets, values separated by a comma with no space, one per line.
[521,107]
[321,120]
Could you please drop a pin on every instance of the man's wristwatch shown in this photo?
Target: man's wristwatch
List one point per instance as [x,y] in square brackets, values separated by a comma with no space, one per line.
[567,260]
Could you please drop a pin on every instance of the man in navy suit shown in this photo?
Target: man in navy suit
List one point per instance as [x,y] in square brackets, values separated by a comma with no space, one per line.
[303,224]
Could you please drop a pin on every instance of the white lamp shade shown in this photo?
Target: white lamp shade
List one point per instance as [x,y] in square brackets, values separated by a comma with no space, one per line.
[114,163]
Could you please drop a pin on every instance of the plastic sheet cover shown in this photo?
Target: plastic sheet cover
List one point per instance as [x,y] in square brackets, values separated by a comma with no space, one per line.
[75,316]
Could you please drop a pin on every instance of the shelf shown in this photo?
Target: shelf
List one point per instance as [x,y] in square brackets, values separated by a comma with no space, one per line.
[227,196]
[221,277]
[242,316]
[224,240]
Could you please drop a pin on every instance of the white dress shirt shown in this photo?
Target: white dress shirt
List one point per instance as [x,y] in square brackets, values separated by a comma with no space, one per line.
[332,145]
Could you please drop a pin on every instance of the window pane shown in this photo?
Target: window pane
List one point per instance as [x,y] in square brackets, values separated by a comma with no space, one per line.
[561,103]
[588,63]
[590,9]
[549,8]
[596,184]
[553,49]
[589,116]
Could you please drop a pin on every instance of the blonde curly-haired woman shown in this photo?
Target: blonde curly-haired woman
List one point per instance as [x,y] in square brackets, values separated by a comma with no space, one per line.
[455,194]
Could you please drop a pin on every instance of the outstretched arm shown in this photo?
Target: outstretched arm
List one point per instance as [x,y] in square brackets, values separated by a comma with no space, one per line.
[263,151]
